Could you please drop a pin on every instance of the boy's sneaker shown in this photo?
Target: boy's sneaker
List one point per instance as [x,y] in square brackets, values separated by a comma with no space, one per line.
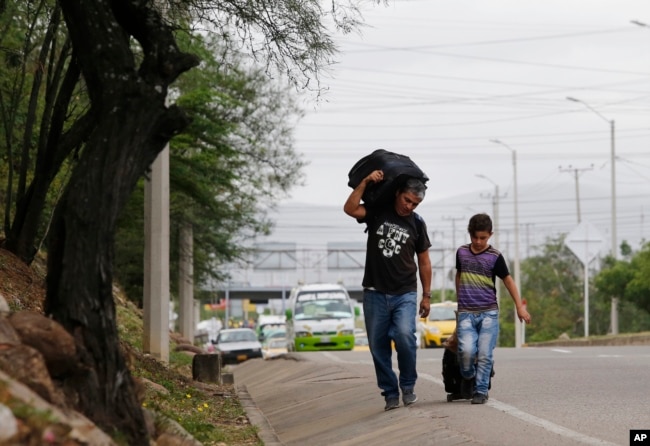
[392,403]
[479,398]
[408,397]
[467,388]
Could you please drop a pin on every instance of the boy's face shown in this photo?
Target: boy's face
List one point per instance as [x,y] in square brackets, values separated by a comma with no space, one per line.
[480,240]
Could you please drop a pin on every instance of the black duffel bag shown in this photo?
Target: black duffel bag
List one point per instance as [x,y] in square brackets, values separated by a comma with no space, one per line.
[397,169]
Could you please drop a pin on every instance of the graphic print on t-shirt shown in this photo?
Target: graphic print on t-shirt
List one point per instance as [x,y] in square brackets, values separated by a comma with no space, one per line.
[392,237]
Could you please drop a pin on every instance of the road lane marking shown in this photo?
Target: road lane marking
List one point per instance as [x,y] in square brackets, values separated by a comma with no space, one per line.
[532,419]
[559,350]
[545,424]
[506,408]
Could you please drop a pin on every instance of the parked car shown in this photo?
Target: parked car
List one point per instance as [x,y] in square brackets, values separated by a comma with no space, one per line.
[361,342]
[236,345]
[267,323]
[440,324]
[274,347]
[280,333]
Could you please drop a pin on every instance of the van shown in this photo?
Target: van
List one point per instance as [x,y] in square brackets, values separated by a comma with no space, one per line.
[320,317]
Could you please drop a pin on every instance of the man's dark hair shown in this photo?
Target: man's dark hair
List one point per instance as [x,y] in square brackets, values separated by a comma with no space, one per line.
[479,222]
[415,186]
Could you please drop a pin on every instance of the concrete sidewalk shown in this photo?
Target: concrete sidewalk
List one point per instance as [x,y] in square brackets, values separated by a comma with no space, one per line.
[303,399]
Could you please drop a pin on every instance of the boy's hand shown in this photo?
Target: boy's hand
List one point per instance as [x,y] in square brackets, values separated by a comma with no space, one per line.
[523,315]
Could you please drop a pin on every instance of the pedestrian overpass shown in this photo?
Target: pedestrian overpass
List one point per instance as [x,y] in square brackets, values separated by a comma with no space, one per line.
[262,294]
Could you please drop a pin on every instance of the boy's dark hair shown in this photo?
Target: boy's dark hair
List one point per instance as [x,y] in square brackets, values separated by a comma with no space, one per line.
[479,222]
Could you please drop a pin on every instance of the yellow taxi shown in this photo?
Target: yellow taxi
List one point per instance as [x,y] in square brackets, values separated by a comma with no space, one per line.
[441,323]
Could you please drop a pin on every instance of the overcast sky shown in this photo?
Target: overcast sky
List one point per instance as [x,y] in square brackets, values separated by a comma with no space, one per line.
[437,80]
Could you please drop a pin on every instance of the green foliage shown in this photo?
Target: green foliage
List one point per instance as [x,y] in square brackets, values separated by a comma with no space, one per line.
[37,108]
[235,159]
[629,281]
[638,288]
[553,288]
[238,159]
[450,294]
[129,246]
[210,417]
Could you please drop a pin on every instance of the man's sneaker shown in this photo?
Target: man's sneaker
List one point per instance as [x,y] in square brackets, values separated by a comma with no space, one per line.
[408,397]
[392,403]
[467,388]
[479,398]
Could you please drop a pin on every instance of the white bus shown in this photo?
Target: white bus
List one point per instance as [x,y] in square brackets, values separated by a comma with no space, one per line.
[320,317]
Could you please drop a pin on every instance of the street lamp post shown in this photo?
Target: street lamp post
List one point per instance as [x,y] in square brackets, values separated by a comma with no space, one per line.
[495,212]
[518,336]
[495,207]
[614,248]
[576,173]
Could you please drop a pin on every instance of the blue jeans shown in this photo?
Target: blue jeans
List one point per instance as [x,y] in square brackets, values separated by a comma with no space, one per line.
[392,317]
[477,337]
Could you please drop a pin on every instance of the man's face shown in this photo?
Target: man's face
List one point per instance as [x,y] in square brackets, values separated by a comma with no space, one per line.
[406,202]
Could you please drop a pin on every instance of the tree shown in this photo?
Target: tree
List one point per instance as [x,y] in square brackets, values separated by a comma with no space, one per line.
[629,280]
[234,159]
[552,287]
[38,87]
[124,54]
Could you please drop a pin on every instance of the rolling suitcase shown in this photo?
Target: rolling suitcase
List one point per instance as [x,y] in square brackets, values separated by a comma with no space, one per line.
[451,376]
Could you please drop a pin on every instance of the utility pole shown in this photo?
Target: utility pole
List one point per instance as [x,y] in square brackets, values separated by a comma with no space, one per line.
[495,217]
[443,276]
[155,299]
[612,154]
[155,311]
[528,225]
[186,283]
[518,331]
[612,161]
[495,207]
[576,173]
[453,229]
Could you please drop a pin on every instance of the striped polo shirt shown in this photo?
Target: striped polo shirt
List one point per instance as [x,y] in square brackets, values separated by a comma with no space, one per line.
[476,288]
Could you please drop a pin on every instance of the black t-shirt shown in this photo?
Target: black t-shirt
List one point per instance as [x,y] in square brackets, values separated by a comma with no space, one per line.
[393,242]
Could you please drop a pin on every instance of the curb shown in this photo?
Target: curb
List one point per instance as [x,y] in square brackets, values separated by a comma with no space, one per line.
[264,430]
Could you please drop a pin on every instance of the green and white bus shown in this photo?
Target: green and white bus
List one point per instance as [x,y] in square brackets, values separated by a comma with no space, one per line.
[320,317]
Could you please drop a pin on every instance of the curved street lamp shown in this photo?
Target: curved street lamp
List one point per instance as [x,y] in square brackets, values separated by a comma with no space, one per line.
[614,248]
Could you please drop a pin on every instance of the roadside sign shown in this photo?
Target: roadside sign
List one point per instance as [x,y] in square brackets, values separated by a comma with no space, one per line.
[585,242]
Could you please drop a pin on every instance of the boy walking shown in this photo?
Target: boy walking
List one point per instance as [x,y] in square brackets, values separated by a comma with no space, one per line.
[478,264]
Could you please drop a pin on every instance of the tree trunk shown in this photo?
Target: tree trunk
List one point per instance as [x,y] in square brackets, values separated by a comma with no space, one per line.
[132,126]
[80,266]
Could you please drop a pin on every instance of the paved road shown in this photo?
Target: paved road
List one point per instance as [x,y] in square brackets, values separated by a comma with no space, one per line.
[540,396]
